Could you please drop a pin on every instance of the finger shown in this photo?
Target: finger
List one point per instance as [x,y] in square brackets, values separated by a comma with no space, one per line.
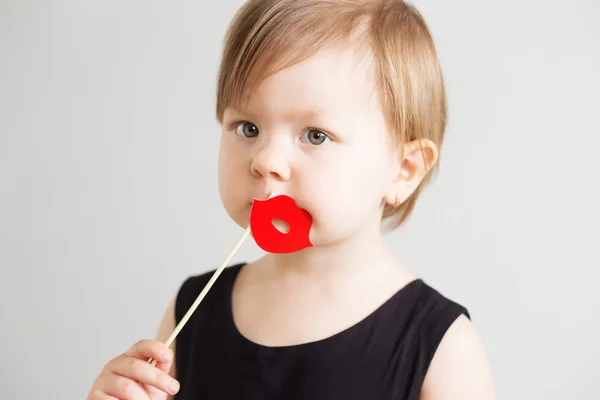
[161,365]
[124,388]
[146,349]
[155,393]
[143,372]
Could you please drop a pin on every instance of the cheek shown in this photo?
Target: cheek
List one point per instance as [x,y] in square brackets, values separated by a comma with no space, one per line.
[231,179]
[344,198]
[224,172]
[231,160]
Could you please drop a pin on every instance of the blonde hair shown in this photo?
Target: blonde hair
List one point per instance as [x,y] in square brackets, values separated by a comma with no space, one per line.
[266,36]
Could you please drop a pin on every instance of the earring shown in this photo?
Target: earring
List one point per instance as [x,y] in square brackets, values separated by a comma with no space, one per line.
[398,202]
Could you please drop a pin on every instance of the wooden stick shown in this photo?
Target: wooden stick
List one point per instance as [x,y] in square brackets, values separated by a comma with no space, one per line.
[204,292]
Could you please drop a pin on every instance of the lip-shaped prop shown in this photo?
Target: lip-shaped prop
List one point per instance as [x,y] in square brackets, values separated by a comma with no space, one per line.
[268,237]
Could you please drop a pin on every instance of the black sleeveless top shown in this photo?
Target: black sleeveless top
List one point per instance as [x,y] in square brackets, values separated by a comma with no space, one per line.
[384,356]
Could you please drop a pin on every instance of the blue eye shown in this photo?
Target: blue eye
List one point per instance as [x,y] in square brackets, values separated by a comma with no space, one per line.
[315,137]
[246,129]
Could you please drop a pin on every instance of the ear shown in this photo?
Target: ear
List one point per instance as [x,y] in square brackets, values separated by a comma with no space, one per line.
[415,160]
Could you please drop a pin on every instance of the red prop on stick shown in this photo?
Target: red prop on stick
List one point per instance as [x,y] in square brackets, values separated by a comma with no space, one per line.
[267,237]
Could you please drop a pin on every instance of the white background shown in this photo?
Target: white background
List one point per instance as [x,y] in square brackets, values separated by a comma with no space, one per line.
[108,155]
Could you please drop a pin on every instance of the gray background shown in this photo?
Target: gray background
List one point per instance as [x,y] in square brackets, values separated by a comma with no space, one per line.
[108,150]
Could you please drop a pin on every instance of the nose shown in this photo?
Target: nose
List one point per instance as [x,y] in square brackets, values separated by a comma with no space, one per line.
[270,161]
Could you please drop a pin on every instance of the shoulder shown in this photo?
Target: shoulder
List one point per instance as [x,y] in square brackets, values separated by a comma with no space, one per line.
[459,369]
[187,293]
[193,285]
[453,361]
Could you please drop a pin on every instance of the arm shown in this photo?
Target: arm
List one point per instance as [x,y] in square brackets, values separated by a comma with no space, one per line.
[459,369]
[167,326]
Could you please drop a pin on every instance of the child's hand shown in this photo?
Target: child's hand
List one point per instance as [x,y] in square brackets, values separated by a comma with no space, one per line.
[130,376]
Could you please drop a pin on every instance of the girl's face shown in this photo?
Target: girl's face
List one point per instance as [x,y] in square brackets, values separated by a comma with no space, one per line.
[315,132]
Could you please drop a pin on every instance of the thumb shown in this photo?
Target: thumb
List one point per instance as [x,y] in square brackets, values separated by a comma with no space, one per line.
[165,364]
[153,392]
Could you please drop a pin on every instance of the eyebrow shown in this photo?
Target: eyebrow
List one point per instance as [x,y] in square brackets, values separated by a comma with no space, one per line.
[302,114]
[286,116]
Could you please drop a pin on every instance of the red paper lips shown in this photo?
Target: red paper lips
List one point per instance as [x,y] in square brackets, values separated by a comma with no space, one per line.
[268,237]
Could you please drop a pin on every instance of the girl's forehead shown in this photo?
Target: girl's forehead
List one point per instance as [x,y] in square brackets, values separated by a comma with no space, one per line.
[329,81]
